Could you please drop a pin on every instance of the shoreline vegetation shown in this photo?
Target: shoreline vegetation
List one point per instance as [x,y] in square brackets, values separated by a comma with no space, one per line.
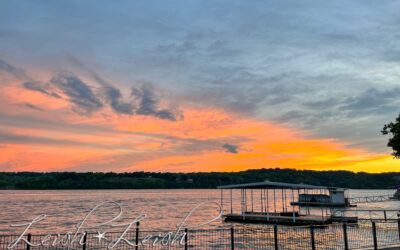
[159,180]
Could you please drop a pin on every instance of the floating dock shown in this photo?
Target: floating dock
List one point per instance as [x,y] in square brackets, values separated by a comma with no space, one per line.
[278,219]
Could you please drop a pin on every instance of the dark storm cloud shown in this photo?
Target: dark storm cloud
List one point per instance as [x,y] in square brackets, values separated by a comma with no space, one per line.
[33,106]
[230,148]
[87,101]
[114,97]
[80,94]
[37,86]
[43,88]
[16,72]
[111,94]
[147,104]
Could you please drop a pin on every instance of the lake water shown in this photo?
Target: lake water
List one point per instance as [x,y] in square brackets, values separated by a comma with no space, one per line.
[164,208]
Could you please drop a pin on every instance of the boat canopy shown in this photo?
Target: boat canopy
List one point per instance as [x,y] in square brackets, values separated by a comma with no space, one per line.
[271,184]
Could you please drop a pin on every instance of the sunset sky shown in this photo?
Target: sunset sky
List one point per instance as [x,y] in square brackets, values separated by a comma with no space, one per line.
[187,86]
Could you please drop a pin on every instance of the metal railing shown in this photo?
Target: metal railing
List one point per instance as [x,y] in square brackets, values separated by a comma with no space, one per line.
[368,214]
[369,199]
[372,235]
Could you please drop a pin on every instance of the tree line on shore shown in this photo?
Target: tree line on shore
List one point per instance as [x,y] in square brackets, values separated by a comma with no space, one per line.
[159,180]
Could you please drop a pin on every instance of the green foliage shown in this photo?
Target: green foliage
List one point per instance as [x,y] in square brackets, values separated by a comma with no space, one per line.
[394,141]
[156,180]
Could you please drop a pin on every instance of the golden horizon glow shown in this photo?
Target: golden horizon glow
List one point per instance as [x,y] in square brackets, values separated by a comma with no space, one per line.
[106,141]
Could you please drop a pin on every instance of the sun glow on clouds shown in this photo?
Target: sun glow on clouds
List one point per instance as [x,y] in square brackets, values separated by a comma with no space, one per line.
[261,144]
[105,141]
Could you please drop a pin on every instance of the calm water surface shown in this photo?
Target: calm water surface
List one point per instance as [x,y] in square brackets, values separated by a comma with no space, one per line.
[164,208]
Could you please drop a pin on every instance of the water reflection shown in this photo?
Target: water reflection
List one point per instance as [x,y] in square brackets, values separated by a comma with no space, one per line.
[164,208]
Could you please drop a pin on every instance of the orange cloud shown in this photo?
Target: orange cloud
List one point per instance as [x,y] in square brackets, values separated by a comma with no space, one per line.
[144,143]
[262,144]
[46,158]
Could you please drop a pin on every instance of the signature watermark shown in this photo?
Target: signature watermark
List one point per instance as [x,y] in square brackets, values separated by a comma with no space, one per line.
[79,235]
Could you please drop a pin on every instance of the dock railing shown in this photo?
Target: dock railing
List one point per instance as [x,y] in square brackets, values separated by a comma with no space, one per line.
[368,235]
[368,214]
[369,199]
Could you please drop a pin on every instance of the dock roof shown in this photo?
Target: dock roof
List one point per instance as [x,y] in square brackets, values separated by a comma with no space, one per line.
[270,184]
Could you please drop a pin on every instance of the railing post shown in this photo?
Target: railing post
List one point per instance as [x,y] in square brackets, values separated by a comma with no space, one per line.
[186,238]
[28,247]
[232,239]
[374,235]
[346,243]
[312,237]
[84,241]
[384,214]
[137,236]
[276,236]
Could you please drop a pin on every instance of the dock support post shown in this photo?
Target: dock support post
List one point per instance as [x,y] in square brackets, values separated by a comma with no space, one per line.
[244,210]
[294,214]
[241,200]
[286,206]
[266,191]
[346,243]
[186,238]
[312,237]
[84,241]
[231,200]
[398,226]
[137,236]
[276,236]
[322,211]
[261,200]
[232,239]
[384,214]
[245,198]
[252,210]
[28,247]
[222,199]
[374,235]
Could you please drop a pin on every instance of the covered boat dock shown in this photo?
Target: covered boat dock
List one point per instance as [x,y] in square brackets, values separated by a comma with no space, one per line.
[278,203]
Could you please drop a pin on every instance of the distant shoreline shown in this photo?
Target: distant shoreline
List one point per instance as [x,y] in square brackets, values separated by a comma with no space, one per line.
[199,180]
[116,189]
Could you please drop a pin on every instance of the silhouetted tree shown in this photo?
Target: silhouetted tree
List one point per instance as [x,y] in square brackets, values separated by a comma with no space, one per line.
[394,141]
